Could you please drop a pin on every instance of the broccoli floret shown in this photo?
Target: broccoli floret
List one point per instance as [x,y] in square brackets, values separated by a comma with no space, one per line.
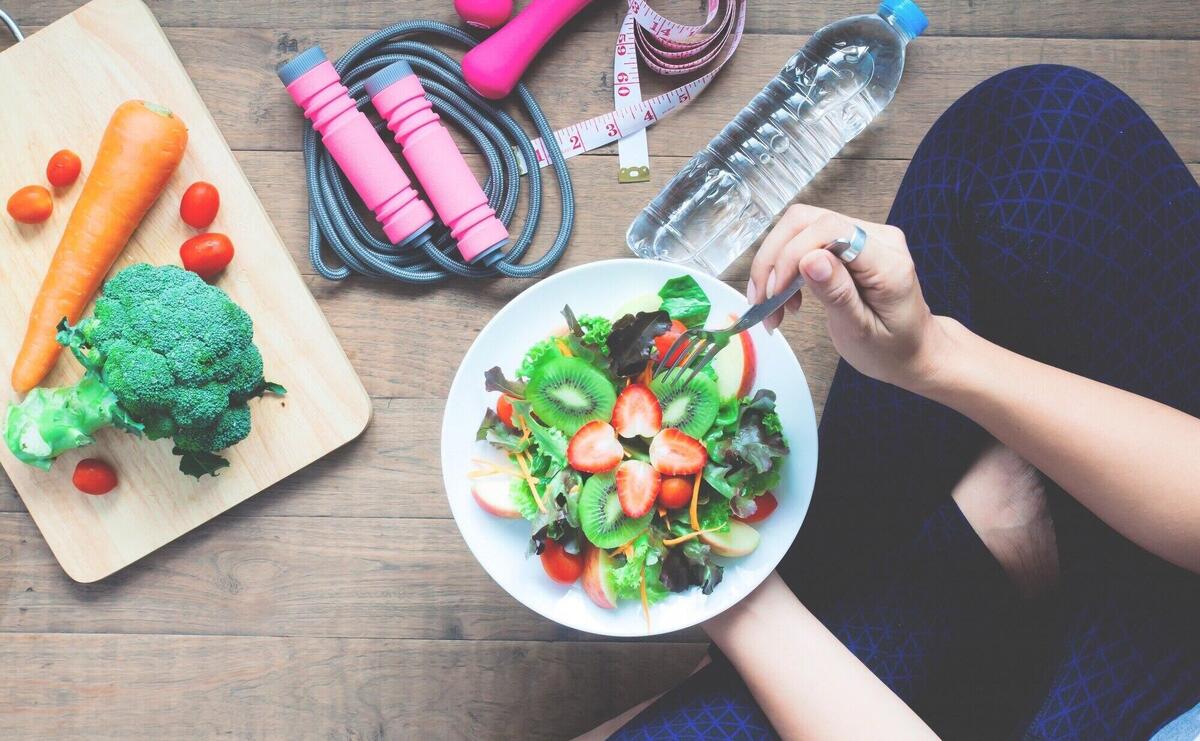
[167,355]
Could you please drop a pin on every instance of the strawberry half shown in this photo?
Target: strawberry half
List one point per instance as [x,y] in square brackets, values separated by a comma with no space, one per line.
[595,448]
[674,453]
[638,485]
[637,412]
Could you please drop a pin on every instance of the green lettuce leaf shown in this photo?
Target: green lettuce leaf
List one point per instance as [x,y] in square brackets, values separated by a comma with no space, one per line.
[685,301]
[627,577]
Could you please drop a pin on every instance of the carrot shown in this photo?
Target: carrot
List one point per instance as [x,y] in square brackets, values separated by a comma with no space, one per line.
[141,147]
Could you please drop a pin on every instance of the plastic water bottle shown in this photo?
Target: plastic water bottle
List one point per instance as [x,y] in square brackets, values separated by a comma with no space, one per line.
[722,201]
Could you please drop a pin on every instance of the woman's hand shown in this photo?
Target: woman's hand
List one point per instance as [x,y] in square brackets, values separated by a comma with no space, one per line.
[878,318]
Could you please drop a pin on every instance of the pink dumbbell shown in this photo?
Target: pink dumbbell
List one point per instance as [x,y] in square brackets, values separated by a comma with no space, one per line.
[352,141]
[495,67]
[483,13]
[437,162]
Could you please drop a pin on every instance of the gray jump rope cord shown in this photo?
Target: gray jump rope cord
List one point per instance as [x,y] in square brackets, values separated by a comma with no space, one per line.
[13,28]
[433,256]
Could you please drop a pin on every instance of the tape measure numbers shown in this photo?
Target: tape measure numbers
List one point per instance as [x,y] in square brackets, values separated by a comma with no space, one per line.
[666,48]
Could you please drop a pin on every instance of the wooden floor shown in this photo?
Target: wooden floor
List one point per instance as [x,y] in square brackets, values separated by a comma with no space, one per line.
[342,604]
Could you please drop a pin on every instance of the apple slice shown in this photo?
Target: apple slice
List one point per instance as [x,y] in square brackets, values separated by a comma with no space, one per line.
[645,302]
[739,540]
[493,494]
[736,366]
[596,565]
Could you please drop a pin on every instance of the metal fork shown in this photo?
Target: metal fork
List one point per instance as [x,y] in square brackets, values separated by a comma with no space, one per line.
[695,349]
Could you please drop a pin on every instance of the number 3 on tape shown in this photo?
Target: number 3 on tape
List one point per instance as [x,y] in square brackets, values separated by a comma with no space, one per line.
[666,48]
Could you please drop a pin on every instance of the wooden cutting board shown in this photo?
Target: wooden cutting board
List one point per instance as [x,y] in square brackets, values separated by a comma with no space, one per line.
[60,86]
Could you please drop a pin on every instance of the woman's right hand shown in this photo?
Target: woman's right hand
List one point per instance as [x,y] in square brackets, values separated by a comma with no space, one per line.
[877,315]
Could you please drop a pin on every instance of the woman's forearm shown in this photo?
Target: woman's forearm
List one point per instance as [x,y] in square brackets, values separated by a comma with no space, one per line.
[1134,462]
[808,683]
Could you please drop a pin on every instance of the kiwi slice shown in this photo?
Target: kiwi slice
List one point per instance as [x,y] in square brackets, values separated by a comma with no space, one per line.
[601,517]
[567,393]
[689,407]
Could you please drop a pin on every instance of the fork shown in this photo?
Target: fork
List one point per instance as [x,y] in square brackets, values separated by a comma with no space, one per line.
[695,349]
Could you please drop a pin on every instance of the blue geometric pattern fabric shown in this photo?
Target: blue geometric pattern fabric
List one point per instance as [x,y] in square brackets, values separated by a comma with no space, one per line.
[1047,212]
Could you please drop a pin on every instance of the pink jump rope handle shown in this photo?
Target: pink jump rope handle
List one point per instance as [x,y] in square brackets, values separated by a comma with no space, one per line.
[495,66]
[437,162]
[484,13]
[352,141]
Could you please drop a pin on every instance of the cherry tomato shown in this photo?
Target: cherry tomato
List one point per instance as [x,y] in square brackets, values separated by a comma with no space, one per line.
[200,204]
[94,476]
[504,410]
[664,341]
[562,567]
[206,254]
[31,205]
[766,505]
[63,168]
[676,491]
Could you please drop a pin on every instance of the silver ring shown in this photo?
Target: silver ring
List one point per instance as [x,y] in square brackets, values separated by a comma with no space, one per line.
[848,248]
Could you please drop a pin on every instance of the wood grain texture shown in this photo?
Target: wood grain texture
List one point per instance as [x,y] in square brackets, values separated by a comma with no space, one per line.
[122,687]
[105,53]
[1172,19]
[234,71]
[353,609]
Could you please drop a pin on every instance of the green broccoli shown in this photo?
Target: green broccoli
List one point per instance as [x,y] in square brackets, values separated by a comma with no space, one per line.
[166,355]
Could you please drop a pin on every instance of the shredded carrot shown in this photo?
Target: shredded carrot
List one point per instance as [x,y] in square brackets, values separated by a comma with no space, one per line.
[695,500]
[562,348]
[529,479]
[687,536]
[662,512]
[647,374]
[645,600]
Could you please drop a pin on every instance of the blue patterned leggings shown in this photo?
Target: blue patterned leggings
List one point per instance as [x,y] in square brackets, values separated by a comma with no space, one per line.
[1047,212]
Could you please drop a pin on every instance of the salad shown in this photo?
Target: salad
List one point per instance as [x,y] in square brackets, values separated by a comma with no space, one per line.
[635,484]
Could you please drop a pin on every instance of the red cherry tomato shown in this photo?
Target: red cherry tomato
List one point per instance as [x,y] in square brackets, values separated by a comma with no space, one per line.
[676,491]
[200,204]
[206,254]
[504,410]
[31,205]
[94,476]
[766,505]
[562,567]
[664,341]
[63,168]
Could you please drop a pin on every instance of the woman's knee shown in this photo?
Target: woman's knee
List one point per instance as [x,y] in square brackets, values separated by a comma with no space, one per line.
[1040,102]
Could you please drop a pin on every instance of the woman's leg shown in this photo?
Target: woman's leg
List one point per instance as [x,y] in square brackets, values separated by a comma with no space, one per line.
[1045,211]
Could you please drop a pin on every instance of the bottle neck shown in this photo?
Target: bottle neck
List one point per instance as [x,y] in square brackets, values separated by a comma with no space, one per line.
[891,20]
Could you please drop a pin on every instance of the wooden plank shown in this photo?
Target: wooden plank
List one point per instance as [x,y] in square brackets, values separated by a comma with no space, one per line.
[234,72]
[117,53]
[1073,18]
[357,577]
[154,687]
[604,208]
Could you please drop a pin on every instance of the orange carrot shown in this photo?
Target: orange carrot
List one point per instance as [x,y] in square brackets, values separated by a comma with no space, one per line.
[141,147]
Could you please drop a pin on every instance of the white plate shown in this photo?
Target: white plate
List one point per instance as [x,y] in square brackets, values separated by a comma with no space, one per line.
[500,544]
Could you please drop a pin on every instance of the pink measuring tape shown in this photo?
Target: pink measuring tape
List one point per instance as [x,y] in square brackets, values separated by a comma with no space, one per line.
[667,48]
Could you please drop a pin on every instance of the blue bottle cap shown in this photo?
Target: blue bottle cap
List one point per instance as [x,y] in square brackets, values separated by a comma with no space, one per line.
[909,16]
[381,80]
[301,63]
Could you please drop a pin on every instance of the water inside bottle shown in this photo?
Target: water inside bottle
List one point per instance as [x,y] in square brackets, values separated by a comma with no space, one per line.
[727,196]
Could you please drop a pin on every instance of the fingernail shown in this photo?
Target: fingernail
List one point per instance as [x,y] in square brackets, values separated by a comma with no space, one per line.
[771,323]
[771,284]
[751,291]
[819,269]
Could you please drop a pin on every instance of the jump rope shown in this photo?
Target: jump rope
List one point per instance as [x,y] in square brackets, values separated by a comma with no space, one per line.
[411,84]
